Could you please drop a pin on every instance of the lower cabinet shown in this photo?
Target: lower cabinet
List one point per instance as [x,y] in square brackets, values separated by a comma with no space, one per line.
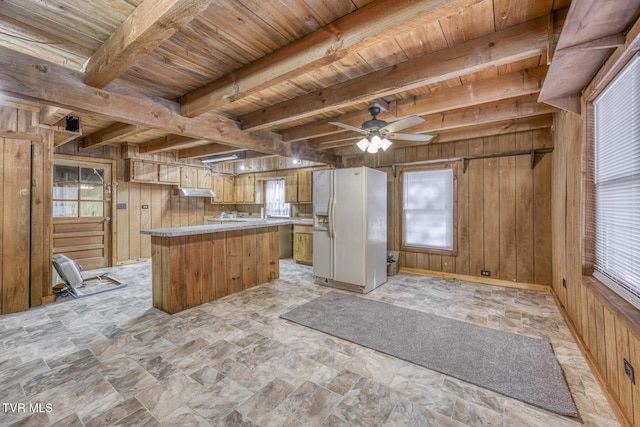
[303,244]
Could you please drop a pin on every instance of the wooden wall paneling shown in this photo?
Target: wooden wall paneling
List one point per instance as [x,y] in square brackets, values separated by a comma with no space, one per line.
[177,291]
[41,219]
[145,219]
[625,389]
[507,170]
[634,360]
[262,254]
[234,260]
[524,211]
[2,209]
[274,259]
[411,259]
[16,204]
[491,208]
[249,272]
[134,221]
[165,207]
[590,337]
[598,321]
[208,267]
[122,222]
[475,228]
[158,250]
[174,203]
[156,205]
[611,350]
[558,215]
[421,260]
[220,265]
[462,260]
[193,270]
[447,262]
[542,269]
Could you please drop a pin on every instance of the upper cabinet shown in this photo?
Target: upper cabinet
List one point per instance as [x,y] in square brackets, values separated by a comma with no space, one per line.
[291,187]
[305,177]
[245,189]
[223,186]
[205,179]
[168,174]
[188,177]
[152,172]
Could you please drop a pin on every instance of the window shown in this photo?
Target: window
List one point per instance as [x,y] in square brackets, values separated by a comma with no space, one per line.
[617,184]
[428,209]
[77,192]
[276,205]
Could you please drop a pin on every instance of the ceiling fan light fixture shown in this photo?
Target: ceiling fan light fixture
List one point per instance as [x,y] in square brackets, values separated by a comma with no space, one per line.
[376,144]
[385,144]
[363,144]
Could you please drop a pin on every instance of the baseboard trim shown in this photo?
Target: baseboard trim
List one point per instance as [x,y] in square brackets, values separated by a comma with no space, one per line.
[475,279]
[604,385]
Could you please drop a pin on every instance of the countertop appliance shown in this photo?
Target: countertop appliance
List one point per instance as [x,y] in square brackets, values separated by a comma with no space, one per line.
[350,228]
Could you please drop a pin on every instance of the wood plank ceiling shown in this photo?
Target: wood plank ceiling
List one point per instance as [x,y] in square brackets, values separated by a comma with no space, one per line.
[203,77]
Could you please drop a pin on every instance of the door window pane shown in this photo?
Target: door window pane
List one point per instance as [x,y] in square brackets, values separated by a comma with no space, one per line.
[65,191]
[91,192]
[62,209]
[65,173]
[92,175]
[91,209]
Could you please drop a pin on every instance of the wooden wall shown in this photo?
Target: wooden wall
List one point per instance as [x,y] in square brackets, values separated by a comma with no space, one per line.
[607,327]
[25,209]
[503,208]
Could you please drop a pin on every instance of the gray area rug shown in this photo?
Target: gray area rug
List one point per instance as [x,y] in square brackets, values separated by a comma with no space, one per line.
[515,365]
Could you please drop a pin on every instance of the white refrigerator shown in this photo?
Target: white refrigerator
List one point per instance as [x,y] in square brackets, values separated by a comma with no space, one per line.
[350,228]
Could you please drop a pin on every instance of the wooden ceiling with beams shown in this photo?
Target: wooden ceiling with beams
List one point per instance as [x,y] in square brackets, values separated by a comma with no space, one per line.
[206,77]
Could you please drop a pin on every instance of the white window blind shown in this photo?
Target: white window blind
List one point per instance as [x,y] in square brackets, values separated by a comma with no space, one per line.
[428,209]
[617,184]
[275,198]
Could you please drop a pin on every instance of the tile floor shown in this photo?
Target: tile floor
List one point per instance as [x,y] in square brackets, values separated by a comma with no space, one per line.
[112,359]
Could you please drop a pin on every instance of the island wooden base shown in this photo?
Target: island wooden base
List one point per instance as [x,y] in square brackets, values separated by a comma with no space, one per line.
[190,270]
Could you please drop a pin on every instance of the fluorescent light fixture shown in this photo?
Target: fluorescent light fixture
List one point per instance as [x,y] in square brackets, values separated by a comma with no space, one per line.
[220,159]
[363,144]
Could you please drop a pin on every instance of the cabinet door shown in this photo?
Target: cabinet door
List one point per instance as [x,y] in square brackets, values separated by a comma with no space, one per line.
[238,183]
[303,244]
[304,185]
[291,187]
[249,188]
[205,179]
[188,177]
[228,193]
[169,174]
[145,172]
[218,188]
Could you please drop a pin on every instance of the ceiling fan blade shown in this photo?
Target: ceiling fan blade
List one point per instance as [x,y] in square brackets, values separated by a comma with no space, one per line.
[403,124]
[348,127]
[410,136]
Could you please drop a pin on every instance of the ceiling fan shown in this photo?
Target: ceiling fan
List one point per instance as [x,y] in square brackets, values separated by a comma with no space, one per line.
[377,131]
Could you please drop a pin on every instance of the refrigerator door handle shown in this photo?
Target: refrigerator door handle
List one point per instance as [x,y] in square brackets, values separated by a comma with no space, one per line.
[332,217]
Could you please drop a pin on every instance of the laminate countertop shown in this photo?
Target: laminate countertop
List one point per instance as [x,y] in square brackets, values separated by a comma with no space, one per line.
[226,224]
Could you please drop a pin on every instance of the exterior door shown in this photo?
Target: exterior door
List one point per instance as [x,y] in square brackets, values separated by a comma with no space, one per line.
[82,212]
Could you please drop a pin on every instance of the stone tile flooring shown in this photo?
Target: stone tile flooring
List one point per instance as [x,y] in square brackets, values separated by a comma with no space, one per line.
[112,359]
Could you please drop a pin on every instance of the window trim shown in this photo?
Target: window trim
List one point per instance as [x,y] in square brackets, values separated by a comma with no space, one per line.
[400,216]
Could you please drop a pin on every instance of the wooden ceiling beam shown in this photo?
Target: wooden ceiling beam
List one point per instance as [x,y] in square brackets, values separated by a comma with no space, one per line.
[41,81]
[206,150]
[150,24]
[499,111]
[51,115]
[513,44]
[169,142]
[111,134]
[509,85]
[367,26]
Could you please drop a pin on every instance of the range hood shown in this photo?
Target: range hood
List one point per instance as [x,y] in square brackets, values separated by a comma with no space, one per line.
[193,192]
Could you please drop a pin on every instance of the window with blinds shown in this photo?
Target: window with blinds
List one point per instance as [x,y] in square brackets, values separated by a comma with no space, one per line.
[428,209]
[617,184]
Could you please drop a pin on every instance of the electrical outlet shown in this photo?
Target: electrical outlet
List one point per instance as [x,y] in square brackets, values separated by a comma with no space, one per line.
[628,370]
[485,273]
[145,206]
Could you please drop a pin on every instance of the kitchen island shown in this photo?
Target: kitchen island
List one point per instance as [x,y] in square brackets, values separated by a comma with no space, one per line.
[197,264]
